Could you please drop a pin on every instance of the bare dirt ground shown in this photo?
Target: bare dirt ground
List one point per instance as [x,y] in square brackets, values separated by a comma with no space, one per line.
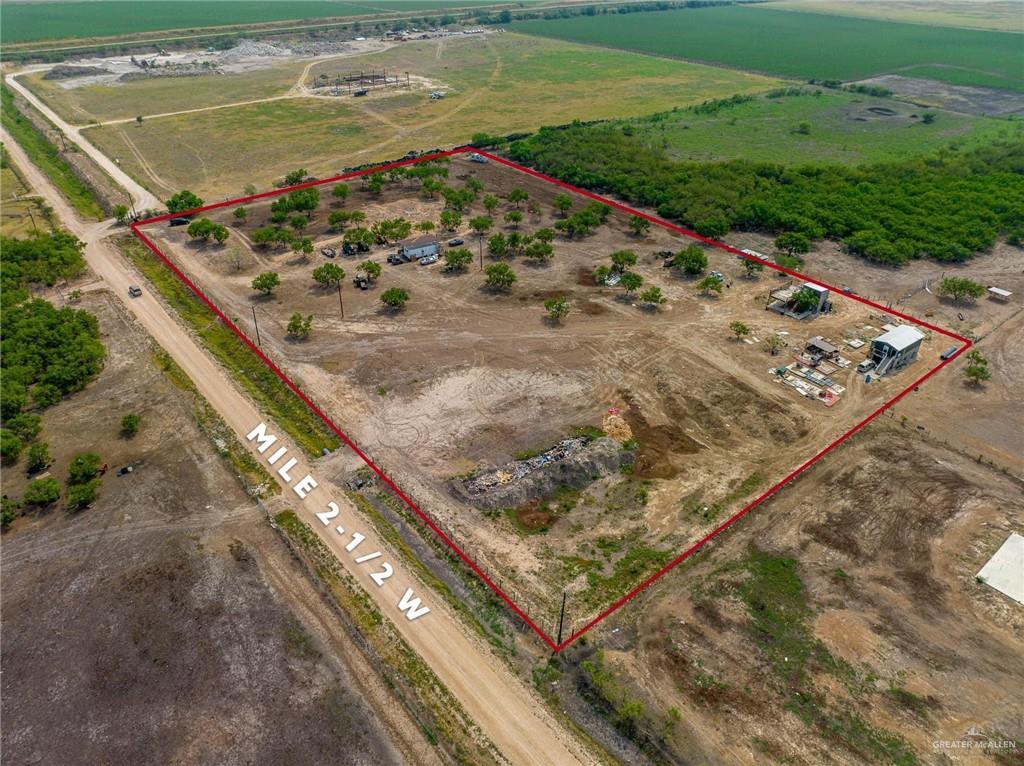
[887,537]
[167,623]
[978,424]
[958,98]
[464,378]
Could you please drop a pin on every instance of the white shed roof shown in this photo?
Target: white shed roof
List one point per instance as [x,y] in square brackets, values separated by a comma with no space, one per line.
[1005,570]
[900,337]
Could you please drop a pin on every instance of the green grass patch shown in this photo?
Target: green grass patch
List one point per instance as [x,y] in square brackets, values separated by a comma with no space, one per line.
[266,389]
[780,614]
[46,157]
[638,563]
[842,128]
[801,45]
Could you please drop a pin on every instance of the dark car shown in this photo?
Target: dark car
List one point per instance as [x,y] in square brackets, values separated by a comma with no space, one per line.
[180,220]
[363,247]
[454,242]
[348,249]
[395,260]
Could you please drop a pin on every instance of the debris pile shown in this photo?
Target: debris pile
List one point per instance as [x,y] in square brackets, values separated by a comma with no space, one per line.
[572,462]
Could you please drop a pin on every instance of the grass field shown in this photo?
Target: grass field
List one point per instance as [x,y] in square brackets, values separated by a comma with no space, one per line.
[97,103]
[802,45]
[26,22]
[997,15]
[47,158]
[841,128]
[15,220]
[502,84]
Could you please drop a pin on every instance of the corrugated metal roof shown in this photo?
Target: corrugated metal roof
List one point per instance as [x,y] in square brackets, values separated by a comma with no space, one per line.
[900,337]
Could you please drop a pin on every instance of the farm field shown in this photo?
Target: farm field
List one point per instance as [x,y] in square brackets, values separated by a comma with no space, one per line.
[841,128]
[995,15]
[32,21]
[499,83]
[465,381]
[802,45]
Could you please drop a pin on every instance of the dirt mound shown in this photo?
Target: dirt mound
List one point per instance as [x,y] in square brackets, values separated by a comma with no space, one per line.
[616,428]
[576,470]
[67,72]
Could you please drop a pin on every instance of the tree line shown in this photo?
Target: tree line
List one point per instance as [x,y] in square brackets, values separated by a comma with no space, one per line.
[947,207]
[46,353]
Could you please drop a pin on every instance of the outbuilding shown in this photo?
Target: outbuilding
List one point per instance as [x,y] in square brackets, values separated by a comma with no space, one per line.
[895,349]
[818,348]
[999,294]
[419,247]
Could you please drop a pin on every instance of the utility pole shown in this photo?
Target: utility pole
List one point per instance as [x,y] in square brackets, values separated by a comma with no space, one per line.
[32,218]
[340,304]
[561,620]
[62,141]
[480,241]
[135,214]
[256,324]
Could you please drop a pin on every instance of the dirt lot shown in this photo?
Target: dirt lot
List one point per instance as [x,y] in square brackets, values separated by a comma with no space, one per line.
[886,634]
[979,425]
[957,98]
[167,623]
[464,379]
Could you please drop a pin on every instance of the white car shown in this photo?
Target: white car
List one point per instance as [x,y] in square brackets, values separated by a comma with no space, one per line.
[428,260]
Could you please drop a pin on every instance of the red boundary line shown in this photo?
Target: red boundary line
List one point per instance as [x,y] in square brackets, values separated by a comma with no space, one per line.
[135,227]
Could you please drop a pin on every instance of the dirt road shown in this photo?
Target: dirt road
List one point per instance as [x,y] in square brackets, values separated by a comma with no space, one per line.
[504,709]
[143,198]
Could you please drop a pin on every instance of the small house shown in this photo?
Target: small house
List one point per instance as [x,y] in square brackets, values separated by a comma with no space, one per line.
[419,247]
[895,349]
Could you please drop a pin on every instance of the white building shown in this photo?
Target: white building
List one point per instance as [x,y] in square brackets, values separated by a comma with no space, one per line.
[895,349]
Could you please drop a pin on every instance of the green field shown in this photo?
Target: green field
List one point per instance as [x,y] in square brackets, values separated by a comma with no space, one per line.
[802,45]
[28,22]
[500,84]
[997,15]
[841,128]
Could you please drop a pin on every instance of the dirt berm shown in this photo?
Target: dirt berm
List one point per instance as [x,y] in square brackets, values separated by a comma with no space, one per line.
[576,470]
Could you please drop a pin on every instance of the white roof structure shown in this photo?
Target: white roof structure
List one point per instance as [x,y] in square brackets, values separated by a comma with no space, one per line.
[999,292]
[816,288]
[1005,570]
[901,337]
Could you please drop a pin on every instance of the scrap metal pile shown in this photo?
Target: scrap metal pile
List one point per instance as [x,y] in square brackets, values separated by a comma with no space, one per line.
[516,470]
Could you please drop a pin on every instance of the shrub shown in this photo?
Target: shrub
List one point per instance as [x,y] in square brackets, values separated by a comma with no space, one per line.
[84,467]
[130,424]
[42,492]
[81,496]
